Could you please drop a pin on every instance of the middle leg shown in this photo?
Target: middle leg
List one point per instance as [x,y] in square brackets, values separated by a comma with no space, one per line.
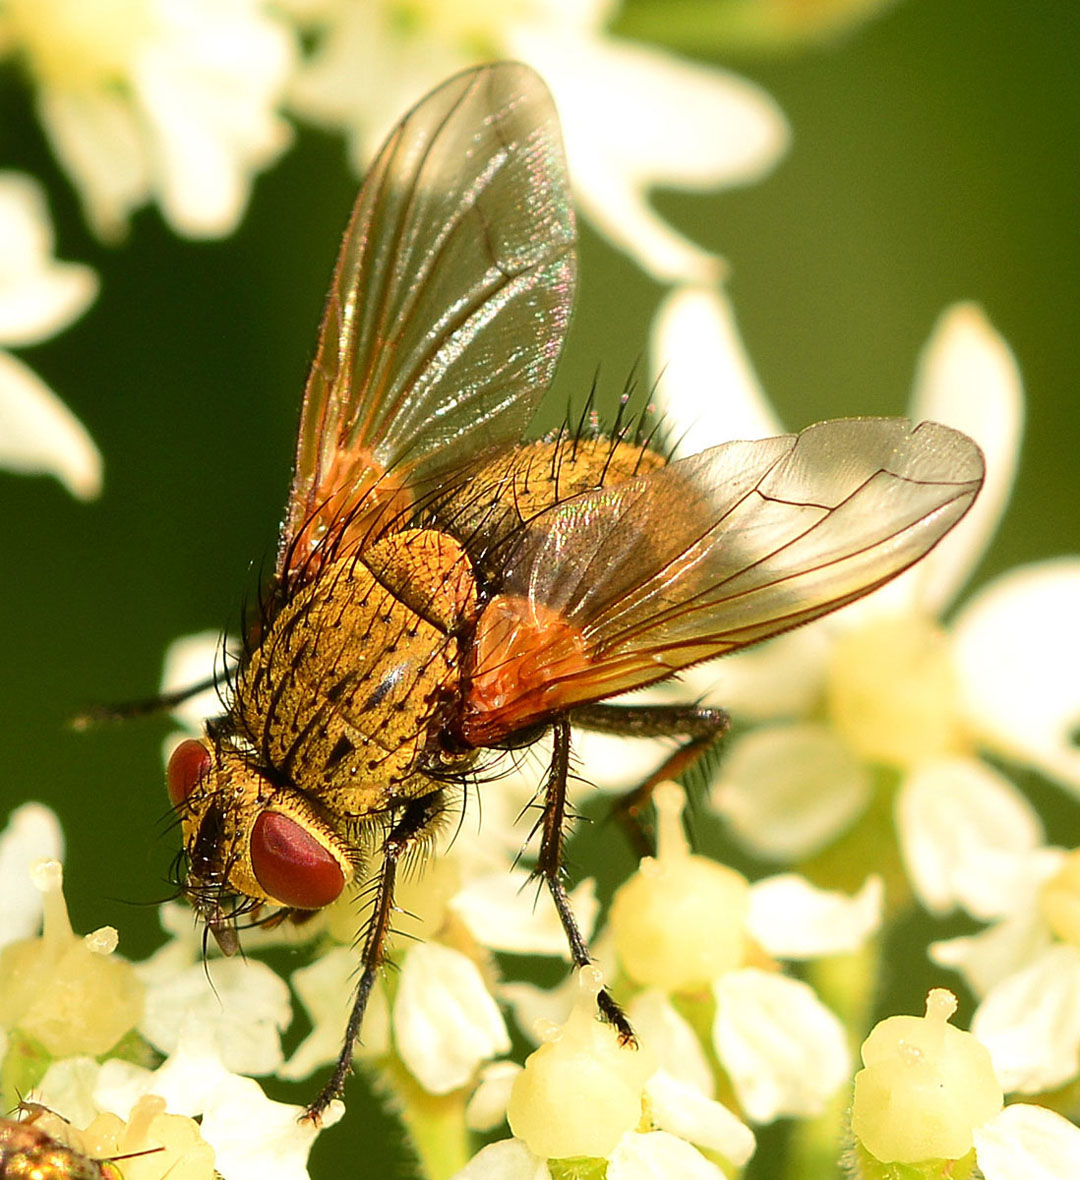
[550,867]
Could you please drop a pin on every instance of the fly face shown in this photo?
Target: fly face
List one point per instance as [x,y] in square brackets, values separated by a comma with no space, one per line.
[443,588]
[247,842]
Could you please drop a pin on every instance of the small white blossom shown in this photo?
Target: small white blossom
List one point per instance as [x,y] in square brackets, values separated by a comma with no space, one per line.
[325,988]
[32,833]
[243,1003]
[928,1095]
[1025,966]
[446,1022]
[792,919]
[583,1094]
[785,1051]
[881,683]
[252,1137]
[173,100]
[39,297]
[1027,1142]
[686,925]
[633,117]
[508,911]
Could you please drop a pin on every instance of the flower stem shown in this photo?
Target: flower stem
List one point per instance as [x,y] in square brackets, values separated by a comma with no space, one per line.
[846,984]
[435,1122]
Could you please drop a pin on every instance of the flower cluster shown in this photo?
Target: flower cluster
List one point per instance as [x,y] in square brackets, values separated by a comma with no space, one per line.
[110,1051]
[870,758]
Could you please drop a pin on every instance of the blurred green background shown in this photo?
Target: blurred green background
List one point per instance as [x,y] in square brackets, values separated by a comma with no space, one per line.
[935,158]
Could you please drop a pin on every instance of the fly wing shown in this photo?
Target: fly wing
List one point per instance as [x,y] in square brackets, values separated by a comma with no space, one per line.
[447,314]
[623,586]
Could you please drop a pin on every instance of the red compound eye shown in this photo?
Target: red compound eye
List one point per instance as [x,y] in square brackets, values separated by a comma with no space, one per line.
[189,762]
[291,865]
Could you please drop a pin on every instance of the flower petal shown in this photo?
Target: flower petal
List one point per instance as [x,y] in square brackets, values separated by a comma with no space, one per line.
[784,1051]
[486,1109]
[1030,1022]
[671,1040]
[986,958]
[445,1020]
[69,1088]
[38,295]
[793,919]
[189,660]
[968,378]
[185,1079]
[706,389]
[1017,649]
[96,137]
[789,789]
[657,1155]
[781,679]
[1025,1142]
[325,988]
[503,911]
[32,833]
[243,1004]
[509,1159]
[634,118]
[256,1139]
[965,832]
[208,89]
[40,435]
[684,1111]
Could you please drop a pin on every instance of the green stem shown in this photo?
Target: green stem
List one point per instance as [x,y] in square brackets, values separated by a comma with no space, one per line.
[435,1122]
[845,983]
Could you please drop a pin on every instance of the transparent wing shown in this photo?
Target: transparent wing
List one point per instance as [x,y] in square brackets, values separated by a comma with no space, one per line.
[448,307]
[621,587]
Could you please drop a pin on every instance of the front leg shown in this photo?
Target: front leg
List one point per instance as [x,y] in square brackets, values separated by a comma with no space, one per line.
[414,823]
[549,866]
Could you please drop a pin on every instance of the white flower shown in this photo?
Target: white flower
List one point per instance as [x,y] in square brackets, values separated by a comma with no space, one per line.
[928,1094]
[1027,1142]
[39,297]
[446,1022]
[242,1004]
[1025,967]
[685,925]
[785,1052]
[582,1094]
[172,100]
[633,116]
[882,683]
[251,1136]
[32,833]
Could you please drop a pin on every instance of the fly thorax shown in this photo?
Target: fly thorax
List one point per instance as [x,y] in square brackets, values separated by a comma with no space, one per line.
[342,693]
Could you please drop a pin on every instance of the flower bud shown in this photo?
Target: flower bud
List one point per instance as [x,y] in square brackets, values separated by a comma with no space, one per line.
[66,992]
[680,920]
[580,1092]
[925,1088]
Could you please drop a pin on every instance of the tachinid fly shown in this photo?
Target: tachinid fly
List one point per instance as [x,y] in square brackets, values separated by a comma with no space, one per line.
[443,589]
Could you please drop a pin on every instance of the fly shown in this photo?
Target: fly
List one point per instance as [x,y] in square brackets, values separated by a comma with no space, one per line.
[443,590]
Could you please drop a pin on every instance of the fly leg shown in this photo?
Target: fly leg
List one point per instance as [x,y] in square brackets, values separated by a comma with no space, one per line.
[143,707]
[549,866]
[414,822]
[700,726]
